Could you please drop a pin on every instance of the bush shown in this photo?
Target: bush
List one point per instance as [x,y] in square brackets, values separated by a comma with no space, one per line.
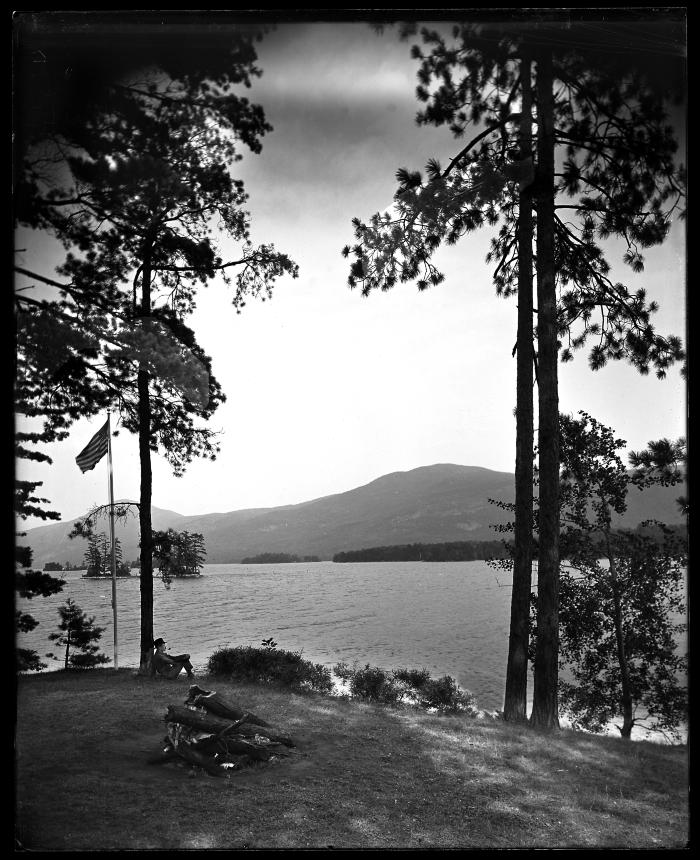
[444,695]
[416,678]
[270,665]
[406,685]
[373,684]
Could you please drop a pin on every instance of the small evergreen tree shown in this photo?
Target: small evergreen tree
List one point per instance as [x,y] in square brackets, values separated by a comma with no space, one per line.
[98,556]
[78,631]
[92,559]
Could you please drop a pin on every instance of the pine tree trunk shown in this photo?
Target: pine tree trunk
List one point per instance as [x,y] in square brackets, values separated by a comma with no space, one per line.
[145,524]
[545,706]
[515,706]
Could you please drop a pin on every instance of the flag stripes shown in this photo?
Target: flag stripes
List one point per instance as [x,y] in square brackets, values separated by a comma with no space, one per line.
[95,449]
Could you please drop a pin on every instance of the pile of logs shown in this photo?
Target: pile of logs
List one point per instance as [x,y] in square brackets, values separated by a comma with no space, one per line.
[215,735]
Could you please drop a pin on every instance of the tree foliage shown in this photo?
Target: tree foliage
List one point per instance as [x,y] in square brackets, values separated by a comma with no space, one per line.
[601,166]
[78,633]
[98,557]
[620,636]
[178,553]
[622,608]
[135,179]
[617,177]
[30,584]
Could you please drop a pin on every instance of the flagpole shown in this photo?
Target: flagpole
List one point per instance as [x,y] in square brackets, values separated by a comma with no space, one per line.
[111,534]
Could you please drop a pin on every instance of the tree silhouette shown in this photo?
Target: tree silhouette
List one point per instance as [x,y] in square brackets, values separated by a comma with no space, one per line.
[135,181]
[77,631]
[178,553]
[30,584]
[603,166]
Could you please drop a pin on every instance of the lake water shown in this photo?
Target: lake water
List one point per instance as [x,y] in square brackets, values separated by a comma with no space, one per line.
[451,618]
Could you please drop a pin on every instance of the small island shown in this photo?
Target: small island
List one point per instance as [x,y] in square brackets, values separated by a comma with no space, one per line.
[277,558]
[454,551]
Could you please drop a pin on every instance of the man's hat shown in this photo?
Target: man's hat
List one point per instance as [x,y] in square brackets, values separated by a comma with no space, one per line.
[158,643]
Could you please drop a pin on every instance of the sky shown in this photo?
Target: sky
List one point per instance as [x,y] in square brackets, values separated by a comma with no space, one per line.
[326,389]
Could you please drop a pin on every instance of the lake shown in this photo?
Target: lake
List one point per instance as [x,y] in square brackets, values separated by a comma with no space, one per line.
[451,618]
[448,617]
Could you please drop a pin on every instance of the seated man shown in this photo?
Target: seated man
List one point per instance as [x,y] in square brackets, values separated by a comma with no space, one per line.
[170,665]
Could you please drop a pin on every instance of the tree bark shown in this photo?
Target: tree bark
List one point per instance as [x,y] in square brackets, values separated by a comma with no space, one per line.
[545,705]
[145,522]
[515,705]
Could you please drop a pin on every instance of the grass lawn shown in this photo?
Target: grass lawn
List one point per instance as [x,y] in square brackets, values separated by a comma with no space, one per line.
[360,776]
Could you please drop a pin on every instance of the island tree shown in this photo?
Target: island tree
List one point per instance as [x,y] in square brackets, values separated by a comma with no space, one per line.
[178,553]
[136,183]
[600,164]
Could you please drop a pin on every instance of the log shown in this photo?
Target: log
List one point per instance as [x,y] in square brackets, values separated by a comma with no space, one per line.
[233,746]
[236,745]
[219,706]
[218,726]
[271,734]
[191,755]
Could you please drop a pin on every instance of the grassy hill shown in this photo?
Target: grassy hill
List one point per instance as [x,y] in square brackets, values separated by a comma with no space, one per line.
[360,776]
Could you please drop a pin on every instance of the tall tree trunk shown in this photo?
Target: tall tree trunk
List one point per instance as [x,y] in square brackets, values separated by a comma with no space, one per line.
[145,524]
[515,706]
[545,706]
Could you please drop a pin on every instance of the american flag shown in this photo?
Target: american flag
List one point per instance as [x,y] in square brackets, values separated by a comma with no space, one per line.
[95,449]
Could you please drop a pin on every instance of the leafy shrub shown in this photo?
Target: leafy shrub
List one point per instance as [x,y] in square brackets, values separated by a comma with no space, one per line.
[406,685]
[343,671]
[374,684]
[270,665]
[416,678]
[444,695]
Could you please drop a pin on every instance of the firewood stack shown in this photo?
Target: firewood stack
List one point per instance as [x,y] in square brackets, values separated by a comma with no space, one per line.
[215,735]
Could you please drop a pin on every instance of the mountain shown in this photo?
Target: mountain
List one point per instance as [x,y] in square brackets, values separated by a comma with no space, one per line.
[431,504]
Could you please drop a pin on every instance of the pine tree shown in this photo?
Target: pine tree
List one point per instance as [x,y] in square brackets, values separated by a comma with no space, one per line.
[78,632]
[603,114]
[92,558]
[142,182]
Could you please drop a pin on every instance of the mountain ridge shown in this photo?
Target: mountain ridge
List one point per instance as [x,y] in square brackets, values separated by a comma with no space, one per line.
[443,502]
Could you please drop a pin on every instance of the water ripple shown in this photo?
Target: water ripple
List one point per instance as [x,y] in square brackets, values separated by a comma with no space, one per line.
[449,617]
